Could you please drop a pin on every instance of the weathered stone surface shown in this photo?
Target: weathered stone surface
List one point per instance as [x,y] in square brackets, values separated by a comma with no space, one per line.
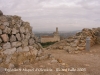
[26,30]
[14,31]
[9,51]
[6,30]
[22,36]
[27,36]
[1,13]
[6,45]
[13,22]
[18,44]
[9,30]
[22,30]
[18,37]
[30,47]
[0,31]
[19,49]
[24,42]
[12,38]
[13,44]
[2,27]
[5,37]
[31,41]
[6,23]
[26,48]
[73,44]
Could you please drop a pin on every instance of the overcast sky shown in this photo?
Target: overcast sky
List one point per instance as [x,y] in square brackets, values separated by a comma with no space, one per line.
[46,15]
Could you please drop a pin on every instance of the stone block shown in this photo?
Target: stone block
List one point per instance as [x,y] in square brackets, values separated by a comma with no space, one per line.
[5,30]
[18,37]
[22,36]
[9,51]
[18,44]
[26,48]
[6,45]
[19,49]
[22,30]
[9,30]
[30,47]
[5,37]
[27,36]
[26,30]
[24,42]
[13,44]
[14,31]
[6,23]
[12,38]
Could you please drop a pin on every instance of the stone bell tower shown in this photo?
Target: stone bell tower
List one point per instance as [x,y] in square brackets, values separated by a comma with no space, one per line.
[56,29]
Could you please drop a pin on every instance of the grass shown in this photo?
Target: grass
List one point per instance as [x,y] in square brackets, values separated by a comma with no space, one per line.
[44,45]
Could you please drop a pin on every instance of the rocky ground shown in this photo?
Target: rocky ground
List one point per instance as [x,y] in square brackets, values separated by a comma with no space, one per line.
[63,63]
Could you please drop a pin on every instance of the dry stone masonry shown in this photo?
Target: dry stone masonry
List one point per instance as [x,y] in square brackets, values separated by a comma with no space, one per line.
[78,41]
[18,44]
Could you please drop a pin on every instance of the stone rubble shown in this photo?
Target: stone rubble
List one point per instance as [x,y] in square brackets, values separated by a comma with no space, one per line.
[17,41]
[78,41]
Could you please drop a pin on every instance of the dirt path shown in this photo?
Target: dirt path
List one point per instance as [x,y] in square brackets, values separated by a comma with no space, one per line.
[69,64]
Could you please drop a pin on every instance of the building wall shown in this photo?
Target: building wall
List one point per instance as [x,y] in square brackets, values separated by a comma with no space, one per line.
[54,38]
[51,39]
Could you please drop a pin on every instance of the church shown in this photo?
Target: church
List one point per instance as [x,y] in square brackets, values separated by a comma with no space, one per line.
[54,38]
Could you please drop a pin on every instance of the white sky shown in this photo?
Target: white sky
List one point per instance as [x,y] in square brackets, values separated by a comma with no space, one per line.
[46,15]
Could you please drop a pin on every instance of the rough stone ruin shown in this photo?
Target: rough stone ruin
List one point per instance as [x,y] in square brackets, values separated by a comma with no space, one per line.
[18,45]
[78,42]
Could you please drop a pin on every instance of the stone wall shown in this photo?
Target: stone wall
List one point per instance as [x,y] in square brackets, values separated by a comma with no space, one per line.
[18,44]
[78,41]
